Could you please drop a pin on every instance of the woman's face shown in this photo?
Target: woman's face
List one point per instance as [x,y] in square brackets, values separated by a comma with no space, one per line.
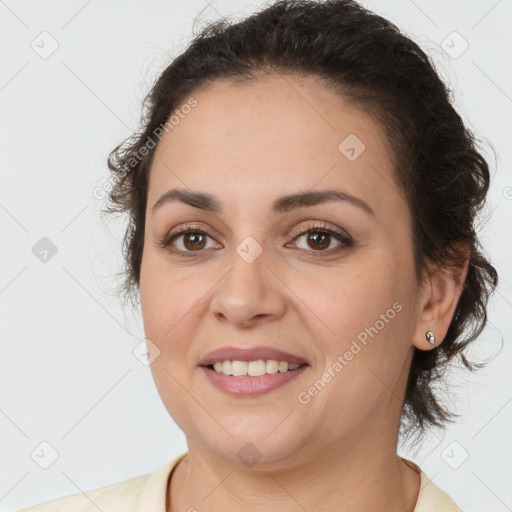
[261,272]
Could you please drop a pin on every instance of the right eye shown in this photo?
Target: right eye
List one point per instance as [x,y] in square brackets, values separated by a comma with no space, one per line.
[192,238]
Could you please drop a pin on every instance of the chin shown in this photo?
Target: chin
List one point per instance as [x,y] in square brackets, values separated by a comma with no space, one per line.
[255,443]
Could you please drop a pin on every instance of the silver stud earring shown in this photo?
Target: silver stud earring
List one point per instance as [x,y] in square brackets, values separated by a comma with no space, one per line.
[430,337]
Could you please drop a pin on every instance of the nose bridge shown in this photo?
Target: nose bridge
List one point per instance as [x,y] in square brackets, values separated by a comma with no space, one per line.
[248,289]
[246,282]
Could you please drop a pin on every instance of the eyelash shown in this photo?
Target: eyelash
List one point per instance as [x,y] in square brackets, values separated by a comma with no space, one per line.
[166,240]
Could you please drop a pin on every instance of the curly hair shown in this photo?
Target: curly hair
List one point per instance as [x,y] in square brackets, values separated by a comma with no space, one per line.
[369,61]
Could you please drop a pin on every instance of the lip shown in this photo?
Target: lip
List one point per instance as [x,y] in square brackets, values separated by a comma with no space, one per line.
[233,353]
[250,386]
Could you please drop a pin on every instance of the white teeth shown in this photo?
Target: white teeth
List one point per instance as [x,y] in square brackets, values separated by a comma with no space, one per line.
[226,368]
[272,366]
[256,368]
[239,368]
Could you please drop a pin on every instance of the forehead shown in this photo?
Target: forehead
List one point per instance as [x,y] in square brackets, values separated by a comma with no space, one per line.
[275,132]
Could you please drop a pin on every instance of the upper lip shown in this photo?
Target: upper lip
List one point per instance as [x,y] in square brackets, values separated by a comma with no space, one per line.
[233,353]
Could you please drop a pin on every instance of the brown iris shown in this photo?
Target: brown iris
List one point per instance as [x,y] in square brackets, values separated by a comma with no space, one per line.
[321,242]
[194,238]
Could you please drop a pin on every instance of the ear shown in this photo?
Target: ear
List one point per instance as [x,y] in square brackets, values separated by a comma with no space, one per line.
[440,295]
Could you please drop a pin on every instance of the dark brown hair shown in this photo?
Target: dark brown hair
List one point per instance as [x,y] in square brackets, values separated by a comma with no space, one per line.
[369,61]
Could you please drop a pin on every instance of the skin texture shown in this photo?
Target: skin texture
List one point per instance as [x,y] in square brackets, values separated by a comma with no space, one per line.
[249,144]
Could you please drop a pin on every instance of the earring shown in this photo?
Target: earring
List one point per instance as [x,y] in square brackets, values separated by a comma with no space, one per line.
[430,337]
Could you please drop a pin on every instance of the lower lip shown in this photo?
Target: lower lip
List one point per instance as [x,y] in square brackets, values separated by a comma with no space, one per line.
[250,386]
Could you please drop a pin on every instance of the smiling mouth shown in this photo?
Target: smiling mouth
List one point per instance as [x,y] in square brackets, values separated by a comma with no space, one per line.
[238,381]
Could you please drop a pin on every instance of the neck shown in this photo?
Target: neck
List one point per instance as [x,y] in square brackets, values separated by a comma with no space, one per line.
[363,478]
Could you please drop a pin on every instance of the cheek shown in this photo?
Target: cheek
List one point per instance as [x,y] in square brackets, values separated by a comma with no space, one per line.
[174,300]
[368,332]
[345,301]
[165,300]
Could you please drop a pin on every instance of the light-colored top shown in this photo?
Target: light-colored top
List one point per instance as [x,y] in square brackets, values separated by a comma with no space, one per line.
[147,493]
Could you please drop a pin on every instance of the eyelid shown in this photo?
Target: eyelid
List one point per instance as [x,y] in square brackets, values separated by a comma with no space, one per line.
[189,226]
[319,225]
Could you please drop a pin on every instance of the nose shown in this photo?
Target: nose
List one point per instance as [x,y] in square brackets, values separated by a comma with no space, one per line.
[250,293]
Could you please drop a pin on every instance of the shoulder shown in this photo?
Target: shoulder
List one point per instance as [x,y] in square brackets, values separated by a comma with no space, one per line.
[144,492]
[432,498]
[104,498]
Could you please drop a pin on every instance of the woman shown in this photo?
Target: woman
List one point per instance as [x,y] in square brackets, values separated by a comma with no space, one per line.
[302,198]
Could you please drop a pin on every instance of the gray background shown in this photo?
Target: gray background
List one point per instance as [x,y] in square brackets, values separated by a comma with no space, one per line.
[68,375]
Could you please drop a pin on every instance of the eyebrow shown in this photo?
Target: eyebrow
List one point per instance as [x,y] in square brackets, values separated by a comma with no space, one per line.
[284,204]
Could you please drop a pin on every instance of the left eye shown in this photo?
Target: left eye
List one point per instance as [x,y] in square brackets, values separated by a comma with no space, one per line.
[318,240]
